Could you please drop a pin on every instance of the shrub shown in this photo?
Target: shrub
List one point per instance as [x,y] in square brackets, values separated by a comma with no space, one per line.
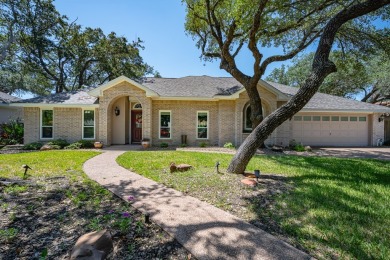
[203,144]
[299,148]
[12,132]
[183,145]
[292,143]
[55,147]
[33,146]
[59,142]
[82,144]
[229,145]
[73,146]
[164,145]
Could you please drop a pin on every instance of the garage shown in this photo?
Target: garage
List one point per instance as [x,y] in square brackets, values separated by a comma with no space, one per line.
[331,130]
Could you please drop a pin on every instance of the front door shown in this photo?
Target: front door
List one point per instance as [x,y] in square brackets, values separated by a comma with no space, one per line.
[136,126]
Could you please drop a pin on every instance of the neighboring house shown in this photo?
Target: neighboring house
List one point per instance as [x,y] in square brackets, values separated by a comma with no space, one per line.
[9,112]
[205,109]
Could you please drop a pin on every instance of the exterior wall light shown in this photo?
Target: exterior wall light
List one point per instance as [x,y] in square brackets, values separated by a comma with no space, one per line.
[117,111]
[382,117]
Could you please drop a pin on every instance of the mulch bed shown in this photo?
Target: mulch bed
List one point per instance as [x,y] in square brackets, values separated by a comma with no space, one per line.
[47,220]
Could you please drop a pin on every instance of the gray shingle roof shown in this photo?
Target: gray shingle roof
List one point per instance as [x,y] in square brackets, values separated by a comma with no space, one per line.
[208,87]
[321,101]
[193,86]
[77,97]
[5,98]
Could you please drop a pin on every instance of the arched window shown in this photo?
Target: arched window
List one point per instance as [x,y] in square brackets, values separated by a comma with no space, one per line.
[247,118]
[137,106]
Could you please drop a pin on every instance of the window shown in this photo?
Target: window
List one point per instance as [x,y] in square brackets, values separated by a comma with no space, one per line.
[306,118]
[316,118]
[202,124]
[362,119]
[247,118]
[344,118]
[353,119]
[335,118]
[165,124]
[47,124]
[325,118]
[88,124]
[297,118]
[137,106]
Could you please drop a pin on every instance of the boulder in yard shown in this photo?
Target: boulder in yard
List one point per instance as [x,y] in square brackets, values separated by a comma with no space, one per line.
[93,246]
[249,182]
[278,149]
[46,147]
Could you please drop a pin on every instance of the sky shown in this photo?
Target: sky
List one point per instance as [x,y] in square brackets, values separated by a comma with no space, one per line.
[160,24]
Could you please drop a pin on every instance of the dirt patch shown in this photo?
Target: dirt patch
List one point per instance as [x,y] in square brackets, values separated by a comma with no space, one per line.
[45,216]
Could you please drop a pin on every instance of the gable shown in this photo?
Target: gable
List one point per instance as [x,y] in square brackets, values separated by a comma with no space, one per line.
[98,92]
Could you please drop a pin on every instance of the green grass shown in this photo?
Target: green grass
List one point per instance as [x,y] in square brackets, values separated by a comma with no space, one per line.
[339,208]
[45,164]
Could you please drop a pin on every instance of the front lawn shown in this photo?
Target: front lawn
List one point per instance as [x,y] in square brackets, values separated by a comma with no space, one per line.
[41,217]
[330,207]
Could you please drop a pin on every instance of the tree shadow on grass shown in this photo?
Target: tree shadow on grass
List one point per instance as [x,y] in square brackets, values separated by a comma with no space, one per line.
[208,232]
[337,208]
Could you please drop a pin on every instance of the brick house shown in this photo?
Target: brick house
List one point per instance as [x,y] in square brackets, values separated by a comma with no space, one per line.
[204,109]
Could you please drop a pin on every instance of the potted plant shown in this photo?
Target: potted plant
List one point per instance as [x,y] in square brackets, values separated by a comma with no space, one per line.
[98,145]
[145,142]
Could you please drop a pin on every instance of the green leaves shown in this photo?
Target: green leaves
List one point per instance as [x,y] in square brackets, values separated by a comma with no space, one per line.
[49,51]
[357,72]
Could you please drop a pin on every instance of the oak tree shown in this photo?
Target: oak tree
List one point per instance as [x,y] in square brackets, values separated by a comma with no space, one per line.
[223,27]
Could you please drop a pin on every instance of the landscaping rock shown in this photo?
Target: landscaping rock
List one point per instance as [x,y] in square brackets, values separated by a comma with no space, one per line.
[278,149]
[181,167]
[308,148]
[46,147]
[93,246]
[249,182]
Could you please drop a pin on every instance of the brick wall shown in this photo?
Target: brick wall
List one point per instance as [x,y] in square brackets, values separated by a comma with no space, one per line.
[106,110]
[183,121]
[31,124]
[269,104]
[67,124]
[378,129]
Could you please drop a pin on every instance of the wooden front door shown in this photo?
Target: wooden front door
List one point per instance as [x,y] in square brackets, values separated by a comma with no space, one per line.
[136,126]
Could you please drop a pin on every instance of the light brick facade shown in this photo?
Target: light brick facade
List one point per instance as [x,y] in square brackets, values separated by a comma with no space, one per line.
[225,119]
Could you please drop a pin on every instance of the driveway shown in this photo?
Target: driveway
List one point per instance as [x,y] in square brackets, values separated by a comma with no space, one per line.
[382,153]
[365,152]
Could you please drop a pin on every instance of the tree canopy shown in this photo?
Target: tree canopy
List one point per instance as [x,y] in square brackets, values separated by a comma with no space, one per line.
[358,74]
[222,28]
[42,51]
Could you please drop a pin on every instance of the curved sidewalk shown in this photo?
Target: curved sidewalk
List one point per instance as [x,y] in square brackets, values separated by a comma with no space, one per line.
[204,230]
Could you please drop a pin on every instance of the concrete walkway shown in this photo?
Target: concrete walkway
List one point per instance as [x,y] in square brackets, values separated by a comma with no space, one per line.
[204,230]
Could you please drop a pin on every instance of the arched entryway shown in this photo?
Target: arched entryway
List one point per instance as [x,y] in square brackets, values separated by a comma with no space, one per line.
[126,120]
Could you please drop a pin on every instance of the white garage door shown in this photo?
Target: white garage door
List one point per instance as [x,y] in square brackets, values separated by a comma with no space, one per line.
[330,130]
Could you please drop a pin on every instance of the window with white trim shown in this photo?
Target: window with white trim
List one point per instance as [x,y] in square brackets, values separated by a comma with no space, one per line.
[165,124]
[47,124]
[88,124]
[202,125]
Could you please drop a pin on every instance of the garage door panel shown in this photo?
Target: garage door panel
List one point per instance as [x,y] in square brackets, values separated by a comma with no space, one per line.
[332,133]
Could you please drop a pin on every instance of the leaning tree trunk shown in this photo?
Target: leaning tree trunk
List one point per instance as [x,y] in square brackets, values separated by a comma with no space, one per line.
[248,148]
[321,68]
